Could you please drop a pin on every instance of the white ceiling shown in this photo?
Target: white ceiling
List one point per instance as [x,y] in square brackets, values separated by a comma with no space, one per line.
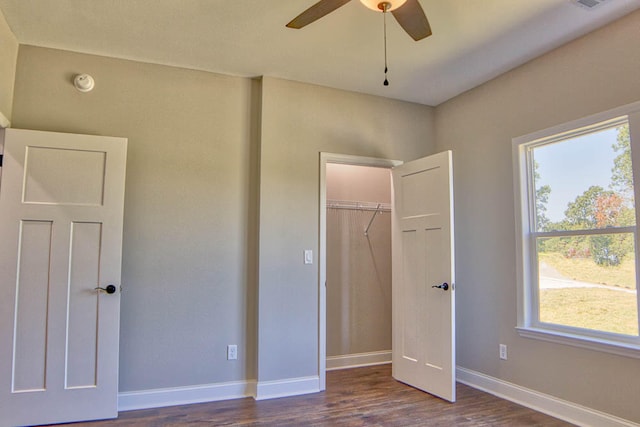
[473,40]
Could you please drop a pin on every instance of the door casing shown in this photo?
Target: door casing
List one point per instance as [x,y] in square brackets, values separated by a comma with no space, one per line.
[344,159]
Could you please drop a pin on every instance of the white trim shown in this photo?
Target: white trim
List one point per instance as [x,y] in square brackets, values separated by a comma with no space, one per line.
[577,124]
[347,159]
[358,360]
[4,122]
[584,232]
[344,159]
[547,404]
[288,387]
[582,341]
[528,324]
[158,398]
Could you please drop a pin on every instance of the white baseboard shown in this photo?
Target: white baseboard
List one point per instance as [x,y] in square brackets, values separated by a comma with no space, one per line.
[558,408]
[358,360]
[288,387]
[550,405]
[133,400]
[145,399]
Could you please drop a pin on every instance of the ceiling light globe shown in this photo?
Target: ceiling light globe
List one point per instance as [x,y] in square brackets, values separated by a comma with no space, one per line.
[373,4]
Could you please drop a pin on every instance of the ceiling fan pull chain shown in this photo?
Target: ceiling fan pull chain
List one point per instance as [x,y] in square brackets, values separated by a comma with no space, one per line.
[386,68]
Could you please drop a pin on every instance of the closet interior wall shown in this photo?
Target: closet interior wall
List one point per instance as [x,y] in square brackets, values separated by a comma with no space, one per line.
[358,262]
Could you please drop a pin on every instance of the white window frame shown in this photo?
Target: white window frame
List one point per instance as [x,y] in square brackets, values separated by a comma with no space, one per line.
[528,324]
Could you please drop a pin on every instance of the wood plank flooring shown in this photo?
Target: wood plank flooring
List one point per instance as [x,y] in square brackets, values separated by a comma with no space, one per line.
[355,397]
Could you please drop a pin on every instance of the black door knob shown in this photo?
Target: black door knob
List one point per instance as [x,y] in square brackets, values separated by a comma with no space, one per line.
[110,289]
[444,286]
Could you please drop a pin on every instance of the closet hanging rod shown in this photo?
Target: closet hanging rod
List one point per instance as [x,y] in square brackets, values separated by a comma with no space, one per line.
[366,232]
[361,206]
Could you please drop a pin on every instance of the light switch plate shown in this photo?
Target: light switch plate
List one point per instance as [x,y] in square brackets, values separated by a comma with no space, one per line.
[308,256]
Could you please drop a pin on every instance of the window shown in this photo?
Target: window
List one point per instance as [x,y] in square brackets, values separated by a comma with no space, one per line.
[576,187]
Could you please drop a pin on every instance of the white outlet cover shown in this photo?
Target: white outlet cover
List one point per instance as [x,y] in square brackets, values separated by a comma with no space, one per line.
[232,352]
[503,352]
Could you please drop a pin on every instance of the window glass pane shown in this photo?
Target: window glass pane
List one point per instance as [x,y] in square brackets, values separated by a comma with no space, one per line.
[585,182]
[589,282]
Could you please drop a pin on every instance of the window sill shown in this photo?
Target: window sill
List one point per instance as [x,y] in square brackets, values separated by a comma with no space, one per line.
[606,346]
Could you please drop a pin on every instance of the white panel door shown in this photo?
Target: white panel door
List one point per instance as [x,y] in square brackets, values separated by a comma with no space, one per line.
[61,206]
[423,276]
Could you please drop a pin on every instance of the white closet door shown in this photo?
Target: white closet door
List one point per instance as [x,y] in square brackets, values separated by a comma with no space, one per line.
[423,275]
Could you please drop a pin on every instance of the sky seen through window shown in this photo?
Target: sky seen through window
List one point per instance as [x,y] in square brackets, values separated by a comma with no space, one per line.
[571,167]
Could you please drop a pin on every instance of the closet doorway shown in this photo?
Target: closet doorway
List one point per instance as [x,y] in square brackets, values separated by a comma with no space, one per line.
[355,262]
[423,282]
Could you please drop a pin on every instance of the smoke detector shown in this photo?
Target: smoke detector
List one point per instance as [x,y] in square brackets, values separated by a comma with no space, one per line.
[84,82]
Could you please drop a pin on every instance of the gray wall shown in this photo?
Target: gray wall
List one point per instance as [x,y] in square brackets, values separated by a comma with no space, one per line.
[358,265]
[188,288]
[8,56]
[298,122]
[598,72]
[191,205]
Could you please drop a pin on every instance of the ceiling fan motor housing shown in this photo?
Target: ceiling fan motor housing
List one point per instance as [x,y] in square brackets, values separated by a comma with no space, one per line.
[383,6]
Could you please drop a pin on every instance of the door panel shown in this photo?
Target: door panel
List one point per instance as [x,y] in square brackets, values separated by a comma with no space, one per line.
[48,181]
[423,315]
[61,206]
[31,302]
[435,356]
[412,315]
[82,322]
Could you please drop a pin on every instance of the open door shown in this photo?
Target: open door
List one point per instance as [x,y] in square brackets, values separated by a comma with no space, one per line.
[61,206]
[423,275]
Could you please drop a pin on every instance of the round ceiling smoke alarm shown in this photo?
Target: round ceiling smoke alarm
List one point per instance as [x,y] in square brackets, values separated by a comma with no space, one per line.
[84,82]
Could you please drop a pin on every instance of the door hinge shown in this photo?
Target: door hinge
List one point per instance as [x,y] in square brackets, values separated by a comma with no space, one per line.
[1,157]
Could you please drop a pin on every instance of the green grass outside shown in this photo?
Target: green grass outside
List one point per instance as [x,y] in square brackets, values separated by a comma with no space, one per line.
[586,270]
[590,308]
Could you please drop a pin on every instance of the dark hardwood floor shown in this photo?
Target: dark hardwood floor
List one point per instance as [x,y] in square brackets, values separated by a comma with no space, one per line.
[355,397]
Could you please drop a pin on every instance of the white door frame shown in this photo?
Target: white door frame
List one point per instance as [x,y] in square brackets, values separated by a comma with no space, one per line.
[344,159]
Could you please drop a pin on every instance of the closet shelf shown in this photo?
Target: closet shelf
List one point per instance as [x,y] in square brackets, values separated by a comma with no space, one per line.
[356,205]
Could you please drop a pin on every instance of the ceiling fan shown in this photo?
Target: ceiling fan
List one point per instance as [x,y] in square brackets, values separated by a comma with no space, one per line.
[408,13]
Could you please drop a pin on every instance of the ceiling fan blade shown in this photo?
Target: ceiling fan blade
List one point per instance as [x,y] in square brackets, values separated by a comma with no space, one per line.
[315,12]
[411,17]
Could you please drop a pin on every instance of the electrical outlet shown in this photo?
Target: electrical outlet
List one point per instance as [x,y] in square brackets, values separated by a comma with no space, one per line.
[232,352]
[503,352]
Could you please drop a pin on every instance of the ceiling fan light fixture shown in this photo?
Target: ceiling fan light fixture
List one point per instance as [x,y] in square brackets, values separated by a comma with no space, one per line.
[375,4]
